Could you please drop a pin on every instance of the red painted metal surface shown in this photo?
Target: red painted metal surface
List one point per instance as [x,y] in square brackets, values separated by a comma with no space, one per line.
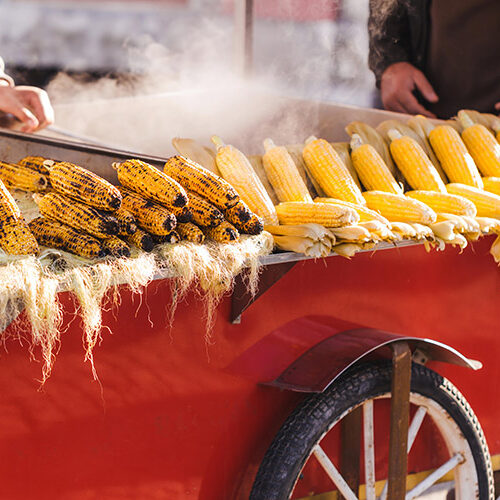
[178,415]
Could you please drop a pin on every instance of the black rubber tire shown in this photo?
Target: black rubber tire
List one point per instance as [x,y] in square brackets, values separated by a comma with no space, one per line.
[307,424]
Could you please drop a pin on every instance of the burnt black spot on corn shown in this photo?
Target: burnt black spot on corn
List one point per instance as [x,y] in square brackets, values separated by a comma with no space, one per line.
[141,240]
[126,221]
[198,179]
[239,214]
[148,181]
[8,206]
[85,186]
[223,233]
[190,232]
[149,215]
[38,163]
[115,247]
[183,214]
[255,225]
[56,206]
[54,234]
[204,213]
[172,237]
[19,177]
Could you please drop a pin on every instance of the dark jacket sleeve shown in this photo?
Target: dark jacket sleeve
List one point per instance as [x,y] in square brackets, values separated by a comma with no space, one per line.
[389,34]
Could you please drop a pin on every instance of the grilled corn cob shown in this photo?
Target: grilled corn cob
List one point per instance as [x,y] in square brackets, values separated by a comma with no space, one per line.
[182,214]
[9,211]
[17,239]
[190,232]
[365,214]
[326,166]
[444,202]
[38,163]
[195,178]
[371,169]
[239,214]
[326,214]
[116,247]
[150,216]
[223,233]
[283,174]
[487,204]
[58,207]
[397,208]
[414,163]
[172,237]
[150,183]
[203,212]
[85,186]
[236,169]
[254,225]
[126,221]
[54,234]
[454,157]
[482,145]
[141,239]
[18,177]
[492,184]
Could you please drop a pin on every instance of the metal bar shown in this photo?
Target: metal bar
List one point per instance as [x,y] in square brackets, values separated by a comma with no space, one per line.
[333,473]
[400,413]
[243,36]
[369,445]
[350,430]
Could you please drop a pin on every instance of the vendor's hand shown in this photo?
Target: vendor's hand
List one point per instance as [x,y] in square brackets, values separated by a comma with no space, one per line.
[30,105]
[398,82]
[497,106]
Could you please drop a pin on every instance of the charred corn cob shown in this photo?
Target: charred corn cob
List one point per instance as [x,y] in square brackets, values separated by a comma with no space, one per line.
[9,211]
[444,202]
[371,169]
[38,163]
[236,169]
[193,150]
[283,174]
[56,206]
[239,214]
[182,214]
[149,215]
[492,184]
[190,232]
[18,177]
[195,178]
[482,145]
[223,233]
[126,221]
[397,208]
[172,237]
[415,165]
[150,183]
[85,186]
[365,214]
[116,247]
[487,204]
[141,239]
[54,234]
[203,212]
[326,214]
[17,239]
[254,225]
[326,166]
[454,157]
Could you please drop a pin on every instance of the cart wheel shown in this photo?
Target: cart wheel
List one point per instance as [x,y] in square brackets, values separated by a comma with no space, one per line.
[304,444]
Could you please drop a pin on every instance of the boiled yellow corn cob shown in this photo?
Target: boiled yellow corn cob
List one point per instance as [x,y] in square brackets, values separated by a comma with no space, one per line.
[414,163]
[17,239]
[344,151]
[85,186]
[482,145]
[371,169]
[151,183]
[283,174]
[487,204]
[54,234]
[203,212]
[454,157]
[365,214]
[254,225]
[236,169]
[223,233]
[38,163]
[141,239]
[492,184]
[326,214]
[18,177]
[126,221]
[239,214]
[195,178]
[444,202]
[56,206]
[190,232]
[115,247]
[397,208]
[172,237]
[150,216]
[325,165]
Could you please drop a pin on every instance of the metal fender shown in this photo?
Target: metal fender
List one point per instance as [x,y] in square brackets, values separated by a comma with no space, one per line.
[309,353]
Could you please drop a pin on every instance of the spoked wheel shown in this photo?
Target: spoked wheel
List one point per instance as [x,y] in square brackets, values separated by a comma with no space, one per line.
[303,460]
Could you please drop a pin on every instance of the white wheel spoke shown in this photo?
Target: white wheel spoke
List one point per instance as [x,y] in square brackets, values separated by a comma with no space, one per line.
[415,425]
[435,476]
[369,443]
[333,473]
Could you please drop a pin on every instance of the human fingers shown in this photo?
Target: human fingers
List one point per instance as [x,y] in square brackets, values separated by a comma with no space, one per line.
[39,103]
[424,86]
[410,104]
[497,106]
[10,103]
